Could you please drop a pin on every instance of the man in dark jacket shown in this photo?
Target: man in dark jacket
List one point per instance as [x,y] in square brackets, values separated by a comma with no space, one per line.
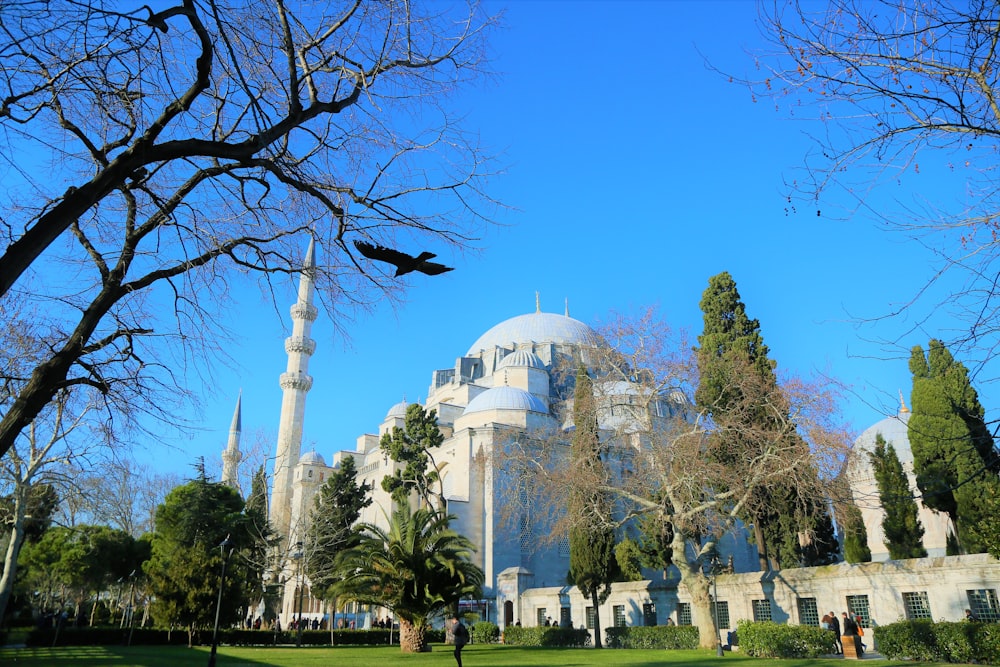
[461,635]
[851,630]
[835,629]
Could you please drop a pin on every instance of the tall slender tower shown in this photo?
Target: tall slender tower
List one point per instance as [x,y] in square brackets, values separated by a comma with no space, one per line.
[295,384]
[231,455]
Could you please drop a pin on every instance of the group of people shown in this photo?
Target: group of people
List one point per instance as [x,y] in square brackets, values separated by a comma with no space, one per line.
[847,626]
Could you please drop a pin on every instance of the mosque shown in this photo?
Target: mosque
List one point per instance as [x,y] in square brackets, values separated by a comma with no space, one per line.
[512,379]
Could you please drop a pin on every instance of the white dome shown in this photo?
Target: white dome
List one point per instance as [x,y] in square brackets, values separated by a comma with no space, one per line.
[505,398]
[312,458]
[536,328]
[398,410]
[521,358]
[894,431]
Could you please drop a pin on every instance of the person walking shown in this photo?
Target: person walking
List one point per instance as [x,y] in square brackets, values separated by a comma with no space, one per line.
[835,629]
[461,635]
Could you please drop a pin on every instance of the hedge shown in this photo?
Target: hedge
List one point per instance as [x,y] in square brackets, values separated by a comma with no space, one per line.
[660,636]
[545,636]
[924,640]
[231,636]
[771,640]
[484,632]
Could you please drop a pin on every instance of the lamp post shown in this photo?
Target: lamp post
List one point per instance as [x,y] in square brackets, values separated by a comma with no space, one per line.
[218,604]
[297,556]
[715,603]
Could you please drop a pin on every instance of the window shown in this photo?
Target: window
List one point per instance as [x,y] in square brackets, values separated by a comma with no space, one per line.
[916,605]
[618,613]
[722,613]
[983,603]
[540,616]
[565,620]
[857,605]
[591,618]
[648,614]
[761,611]
[808,613]
[683,613]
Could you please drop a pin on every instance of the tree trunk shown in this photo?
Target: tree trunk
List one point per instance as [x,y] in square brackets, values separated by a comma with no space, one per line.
[413,636]
[758,536]
[697,585]
[597,617]
[10,557]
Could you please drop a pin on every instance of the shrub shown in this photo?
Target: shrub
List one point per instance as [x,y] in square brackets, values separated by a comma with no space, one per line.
[542,636]
[771,640]
[924,640]
[661,637]
[485,632]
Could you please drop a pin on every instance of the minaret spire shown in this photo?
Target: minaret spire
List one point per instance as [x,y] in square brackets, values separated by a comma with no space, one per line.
[295,384]
[538,303]
[231,456]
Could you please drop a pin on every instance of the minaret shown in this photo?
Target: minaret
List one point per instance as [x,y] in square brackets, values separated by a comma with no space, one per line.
[295,384]
[231,455]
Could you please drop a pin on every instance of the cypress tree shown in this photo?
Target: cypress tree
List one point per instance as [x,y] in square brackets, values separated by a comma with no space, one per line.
[730,346]
[592,565]
[954,456]
[855,536]
[901,525]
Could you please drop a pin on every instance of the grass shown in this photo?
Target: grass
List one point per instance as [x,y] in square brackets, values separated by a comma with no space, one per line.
[472,656]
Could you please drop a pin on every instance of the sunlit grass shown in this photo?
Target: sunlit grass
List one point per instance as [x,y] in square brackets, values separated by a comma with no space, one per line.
[473,656]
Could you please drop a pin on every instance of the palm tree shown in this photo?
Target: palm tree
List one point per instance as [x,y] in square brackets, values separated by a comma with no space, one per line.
[417,568]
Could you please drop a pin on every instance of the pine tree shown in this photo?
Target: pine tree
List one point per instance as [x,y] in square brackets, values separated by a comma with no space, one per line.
[592,565]
[954,456]
[414,446]
[901,525]
[730,346]
[336,509]
[855,536]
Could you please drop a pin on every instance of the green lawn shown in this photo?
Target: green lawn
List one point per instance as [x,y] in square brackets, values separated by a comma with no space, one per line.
[473,656]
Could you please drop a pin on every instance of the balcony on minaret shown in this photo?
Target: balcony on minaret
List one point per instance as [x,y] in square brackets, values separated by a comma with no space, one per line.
[304,311]
[300,345]
[297,380]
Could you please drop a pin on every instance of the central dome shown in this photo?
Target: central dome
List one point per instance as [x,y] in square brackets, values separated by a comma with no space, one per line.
[536,328]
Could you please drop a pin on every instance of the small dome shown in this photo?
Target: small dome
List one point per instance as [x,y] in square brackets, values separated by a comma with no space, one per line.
[521,358]
[505,398]
[312,458]
[538,328]
[398,410]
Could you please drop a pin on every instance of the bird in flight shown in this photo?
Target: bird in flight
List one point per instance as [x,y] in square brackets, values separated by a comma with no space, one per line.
[404,263]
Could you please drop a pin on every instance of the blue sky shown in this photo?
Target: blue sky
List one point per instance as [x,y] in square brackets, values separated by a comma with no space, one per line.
[634,173]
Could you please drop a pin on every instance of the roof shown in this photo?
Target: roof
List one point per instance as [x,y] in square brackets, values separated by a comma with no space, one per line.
[536,327]
[505,398]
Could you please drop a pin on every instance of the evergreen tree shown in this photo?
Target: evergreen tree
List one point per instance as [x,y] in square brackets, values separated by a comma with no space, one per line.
[263,539]
[954,456]
[414,446]
[184,570]
[855,536]
[730,346]
[336,509]
[592,565]
[821,546]
[901,525]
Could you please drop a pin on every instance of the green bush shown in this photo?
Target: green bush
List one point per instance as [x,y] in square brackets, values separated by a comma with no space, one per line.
[485,632]
[924,640]
[660,636]
[542,636]
[771,640]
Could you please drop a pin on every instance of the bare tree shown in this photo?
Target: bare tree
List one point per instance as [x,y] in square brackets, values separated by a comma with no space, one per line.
[665,460]
[150,157]
[41,456]
[905,95]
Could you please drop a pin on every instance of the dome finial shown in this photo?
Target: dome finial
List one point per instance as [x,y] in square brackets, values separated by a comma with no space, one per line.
[538,303]
[902,403]
[567,306]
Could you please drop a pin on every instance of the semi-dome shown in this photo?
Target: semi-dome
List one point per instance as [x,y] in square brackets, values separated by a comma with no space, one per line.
[312,458]
[521,358]
[505,398]
[536,328]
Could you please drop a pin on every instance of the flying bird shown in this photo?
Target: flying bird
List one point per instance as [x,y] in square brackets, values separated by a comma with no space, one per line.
[404,263]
